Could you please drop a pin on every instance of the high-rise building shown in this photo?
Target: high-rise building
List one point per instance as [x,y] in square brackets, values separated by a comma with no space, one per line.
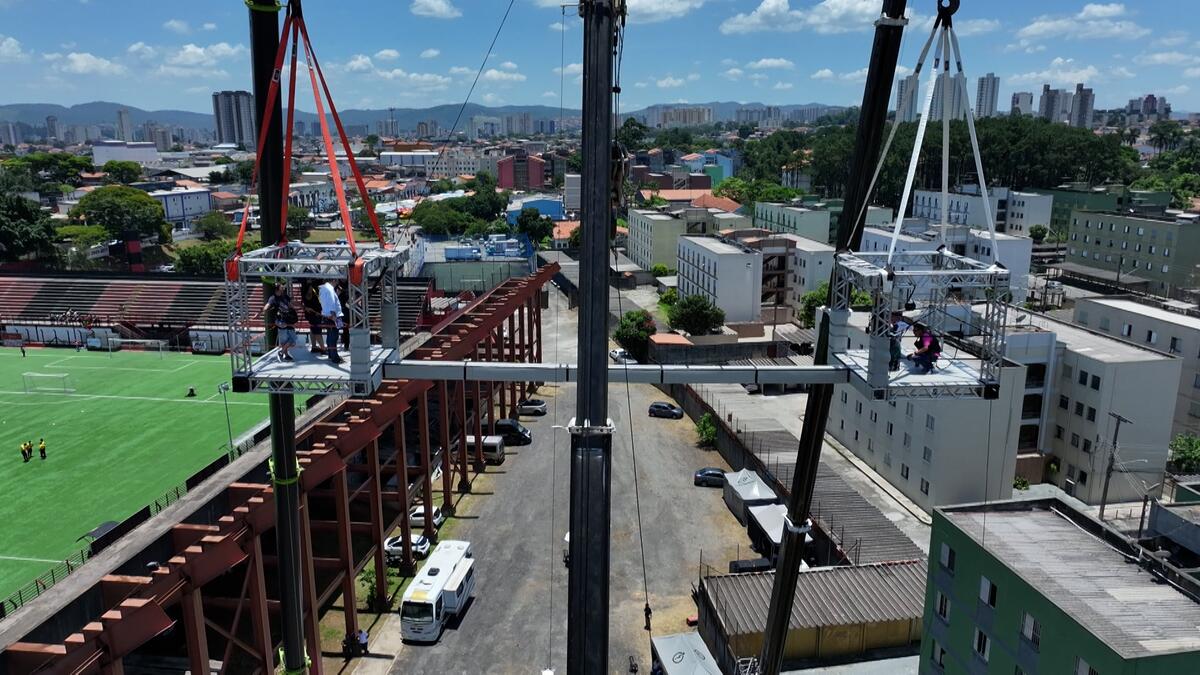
[958,104]
[1082,104]
[163,139]
[1022,103]
[987,95]
[52,130]
[1053,104]
[389,127]
[233,113]
[692,116]
[9,135]
[910,87]
[124,125]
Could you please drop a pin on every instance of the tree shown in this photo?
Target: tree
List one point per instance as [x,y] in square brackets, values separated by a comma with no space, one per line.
[372,141]
[215,225]
[121,209]
[82,236]
[24,229]
[695,315]
[1185,453]
[669,297]
[634,331]
[58,167]
[575,162]
[576,240]
[632,134]
[661,270]
[120,171]
[207,259]
[1038,233]
[1165,135]
[532,223]
[298,220]
[810,301]
[706,430]
[15,179]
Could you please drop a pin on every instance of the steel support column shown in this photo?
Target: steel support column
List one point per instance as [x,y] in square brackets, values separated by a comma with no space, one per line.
[402,491]
[478,430]
[426,464]
[312,622]
[260,619]
[346,552]
[514,355]
[537,327]
[377,533]
[192,606]
[447,451]
[522,346]
[464,482]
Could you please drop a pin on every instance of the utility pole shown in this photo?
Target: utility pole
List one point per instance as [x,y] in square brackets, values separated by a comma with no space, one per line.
[872,116]
[1112,460]
[264,43]
[591,430]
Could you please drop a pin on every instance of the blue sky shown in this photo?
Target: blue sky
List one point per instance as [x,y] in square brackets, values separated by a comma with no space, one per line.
[414,53]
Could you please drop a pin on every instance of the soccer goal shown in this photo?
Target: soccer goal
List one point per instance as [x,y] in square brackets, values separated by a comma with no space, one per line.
[48,383]
[159,347]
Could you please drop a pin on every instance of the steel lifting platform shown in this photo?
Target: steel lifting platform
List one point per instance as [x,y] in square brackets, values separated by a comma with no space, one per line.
[371,270]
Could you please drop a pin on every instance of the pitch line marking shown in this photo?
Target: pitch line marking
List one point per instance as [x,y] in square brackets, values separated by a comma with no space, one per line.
[22,559]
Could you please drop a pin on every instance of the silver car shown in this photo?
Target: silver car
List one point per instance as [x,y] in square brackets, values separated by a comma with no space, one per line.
[393,547]
[531,406]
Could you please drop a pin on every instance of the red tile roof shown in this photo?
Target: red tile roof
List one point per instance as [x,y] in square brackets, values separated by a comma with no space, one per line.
[564,228]
[711,201]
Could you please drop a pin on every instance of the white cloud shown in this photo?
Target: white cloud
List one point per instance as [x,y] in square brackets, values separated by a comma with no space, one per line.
[728,62]
[641,85]
[435,9]
[1167,59]
[822,74]
[508,65]
[431,53]
[421,81]
[492,99]
[571,69]
[1122,72]
[650,11]
[733,73]
[693,77]
[195,55]
[461,70]
[1179,89]
[975,27]
[11,51]
[1192,72]
[769,63]
[669,82]
[360,63]
[209,26]
[859,75]
[1060,71]
[83,63]
[494,75]
[1094,21]
[758,76]
[51,57]
[782,85]
[1172,39]
[177,26]
[190,72]
[1024,45]
[559,26]
[141,50]
[903,71]
[549,94]
[827,16]
[387,55]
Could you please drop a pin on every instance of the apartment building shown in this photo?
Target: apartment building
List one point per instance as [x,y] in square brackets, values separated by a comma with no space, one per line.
[1036,585]
[726,273]
[1012,211]
[1158,327]
[1159,251]
[792,265]
[183,206]
[788,219]
[654,235]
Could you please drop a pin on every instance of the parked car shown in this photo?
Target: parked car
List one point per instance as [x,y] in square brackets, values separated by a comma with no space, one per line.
[709,476]
[533,406]
[664,409]
[620,356]
[393,547]
[416,517]
[513,432]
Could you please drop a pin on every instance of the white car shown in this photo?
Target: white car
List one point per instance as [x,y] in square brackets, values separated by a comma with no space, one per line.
[416,517]
[531,406]
[393,547]
[621,357]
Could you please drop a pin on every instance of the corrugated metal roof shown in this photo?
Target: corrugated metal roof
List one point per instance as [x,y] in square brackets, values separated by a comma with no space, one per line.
[831,596]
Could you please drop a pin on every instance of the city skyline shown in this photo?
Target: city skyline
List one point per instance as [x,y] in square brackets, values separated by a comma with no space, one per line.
[769,51]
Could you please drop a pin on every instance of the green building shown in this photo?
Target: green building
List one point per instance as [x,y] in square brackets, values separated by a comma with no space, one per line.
[1159,251]
[1035,586]
[1083,197]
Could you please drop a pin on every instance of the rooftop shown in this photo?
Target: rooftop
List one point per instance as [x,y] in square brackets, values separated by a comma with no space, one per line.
[711,201]
[675,195]
[1148,311]
[1081,340]
[1120,603]
[717,246]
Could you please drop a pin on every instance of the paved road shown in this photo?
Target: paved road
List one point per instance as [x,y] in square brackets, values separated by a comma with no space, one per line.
[517,622]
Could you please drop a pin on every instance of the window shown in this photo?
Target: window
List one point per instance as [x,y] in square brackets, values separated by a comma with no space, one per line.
[858,407]
[1174,346]
[1083,477]
[1074,440]
[1087,446]
[983,646]
[943,606]
[1031,630]
[1127,330]
[908,409]
[870,445]
[856,434]
[889,428]
[929,422]
[1071,471]
[904,471]
[924,486]
[987,591]
[874,416]
[1079,408]
[947,557]
[1151,337]
[843,397]
[887,458]
[1104,323]
[1091,414]
[907,440]
[927,454]
[1064,402]
[1096,382]
[1082,667]
[939,655]
[1083,377]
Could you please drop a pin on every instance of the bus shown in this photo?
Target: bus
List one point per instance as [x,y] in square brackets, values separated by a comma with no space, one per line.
[439,593]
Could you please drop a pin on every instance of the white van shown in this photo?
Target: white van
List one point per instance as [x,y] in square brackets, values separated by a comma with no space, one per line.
[440,592]
[493,448]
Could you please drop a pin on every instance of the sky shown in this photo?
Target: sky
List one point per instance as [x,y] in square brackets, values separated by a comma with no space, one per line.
[418,53]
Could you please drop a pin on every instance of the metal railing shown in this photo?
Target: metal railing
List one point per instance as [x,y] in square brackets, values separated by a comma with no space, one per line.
[42,583]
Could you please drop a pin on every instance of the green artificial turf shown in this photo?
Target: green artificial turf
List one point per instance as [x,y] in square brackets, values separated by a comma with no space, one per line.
[126,435]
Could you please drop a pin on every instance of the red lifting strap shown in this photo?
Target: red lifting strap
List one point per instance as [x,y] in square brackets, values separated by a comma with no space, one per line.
[287,148]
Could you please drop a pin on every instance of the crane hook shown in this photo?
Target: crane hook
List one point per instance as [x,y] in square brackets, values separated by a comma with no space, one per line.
[946,10]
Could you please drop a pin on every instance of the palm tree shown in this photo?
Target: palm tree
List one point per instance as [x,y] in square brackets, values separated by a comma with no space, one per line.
[1165,135]
[1131,135]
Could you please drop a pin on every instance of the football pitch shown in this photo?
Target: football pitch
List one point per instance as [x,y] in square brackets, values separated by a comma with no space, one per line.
[125,435]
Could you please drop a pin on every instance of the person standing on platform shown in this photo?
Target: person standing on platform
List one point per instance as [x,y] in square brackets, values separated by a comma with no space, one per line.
[312,315]
[331,312]
[285,321]
[895,331]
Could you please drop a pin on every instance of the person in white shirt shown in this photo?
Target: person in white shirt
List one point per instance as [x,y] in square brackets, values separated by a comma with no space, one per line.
[331,311]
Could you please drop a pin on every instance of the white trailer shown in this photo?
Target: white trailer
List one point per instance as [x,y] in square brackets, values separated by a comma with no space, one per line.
[440,592]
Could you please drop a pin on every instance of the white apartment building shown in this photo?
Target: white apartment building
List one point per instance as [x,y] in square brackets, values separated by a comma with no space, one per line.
[654,235]
[572,192]
[957,102]
[125,151]
[787,219]
[987,95]
[1156,327]
[1022,103]
[942,451]
[183,206]
[727,274]
[910,87]
[1012,211]
[813,264]
[1015,253]
[456,162]
[412,162]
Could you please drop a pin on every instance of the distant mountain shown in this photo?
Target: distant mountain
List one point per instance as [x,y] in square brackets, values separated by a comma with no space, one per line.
[725,111]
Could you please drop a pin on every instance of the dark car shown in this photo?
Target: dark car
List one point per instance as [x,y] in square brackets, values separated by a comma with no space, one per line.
[709,476]
[668,410]
[513,432]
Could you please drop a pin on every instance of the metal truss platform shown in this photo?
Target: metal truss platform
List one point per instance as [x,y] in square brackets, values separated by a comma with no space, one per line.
[313,373]
[952,378]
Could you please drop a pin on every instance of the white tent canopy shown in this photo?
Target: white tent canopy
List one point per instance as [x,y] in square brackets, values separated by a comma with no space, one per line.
[743,489]
[684,654]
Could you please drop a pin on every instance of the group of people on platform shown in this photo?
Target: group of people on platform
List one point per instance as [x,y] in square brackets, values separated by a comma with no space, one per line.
[926,350]
[322,308]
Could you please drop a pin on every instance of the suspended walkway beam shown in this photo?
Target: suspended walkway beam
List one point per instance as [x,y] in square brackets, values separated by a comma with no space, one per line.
[482,371]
